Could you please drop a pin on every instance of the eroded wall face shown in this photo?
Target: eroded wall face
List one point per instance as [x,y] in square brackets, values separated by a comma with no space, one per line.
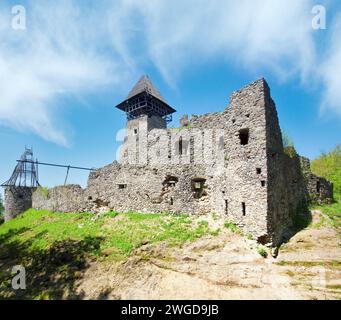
[231,163]
[69,198]
[319,190]
[218,165]
[241,186]
[17,200]
[292,186]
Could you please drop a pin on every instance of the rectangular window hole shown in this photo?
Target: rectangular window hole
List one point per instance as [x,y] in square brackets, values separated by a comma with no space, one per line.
[259,170]
[244,208]
[263,183]
[244,137]
[122,186]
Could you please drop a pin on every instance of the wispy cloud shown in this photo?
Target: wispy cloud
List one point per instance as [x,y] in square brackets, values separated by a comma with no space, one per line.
[264,33]
[59,54]
[330,72]
[73,47]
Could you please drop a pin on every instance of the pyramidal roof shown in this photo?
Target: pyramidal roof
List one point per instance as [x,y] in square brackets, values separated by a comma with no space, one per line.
[145,84]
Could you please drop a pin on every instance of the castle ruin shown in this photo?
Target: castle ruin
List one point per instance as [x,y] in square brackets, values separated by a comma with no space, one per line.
[231,163]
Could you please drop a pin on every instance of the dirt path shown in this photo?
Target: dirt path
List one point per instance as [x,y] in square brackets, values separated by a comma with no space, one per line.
[224,267]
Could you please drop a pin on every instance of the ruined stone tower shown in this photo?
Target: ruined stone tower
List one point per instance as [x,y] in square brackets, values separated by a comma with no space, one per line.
[146,110]
[20,187]
[231,163]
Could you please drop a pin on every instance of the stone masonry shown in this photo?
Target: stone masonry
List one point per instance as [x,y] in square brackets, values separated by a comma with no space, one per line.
[17,200]
[231,163]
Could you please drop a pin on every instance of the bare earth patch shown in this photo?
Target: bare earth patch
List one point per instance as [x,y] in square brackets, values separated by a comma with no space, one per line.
[226,266]
[191,258]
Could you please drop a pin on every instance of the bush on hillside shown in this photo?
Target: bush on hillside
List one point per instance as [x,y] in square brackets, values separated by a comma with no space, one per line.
[328,165]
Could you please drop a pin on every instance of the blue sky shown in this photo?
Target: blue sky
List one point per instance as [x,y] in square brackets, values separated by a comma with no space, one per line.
[61,77]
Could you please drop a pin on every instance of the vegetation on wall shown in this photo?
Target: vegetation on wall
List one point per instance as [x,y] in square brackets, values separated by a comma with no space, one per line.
[44,191]
[287,140]
[328,165]
[288,145]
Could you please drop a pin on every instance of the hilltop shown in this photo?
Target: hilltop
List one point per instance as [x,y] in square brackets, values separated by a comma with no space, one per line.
[135,256]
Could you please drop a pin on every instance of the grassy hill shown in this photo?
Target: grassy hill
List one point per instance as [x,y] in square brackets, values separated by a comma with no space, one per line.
[57,247]
[328,165]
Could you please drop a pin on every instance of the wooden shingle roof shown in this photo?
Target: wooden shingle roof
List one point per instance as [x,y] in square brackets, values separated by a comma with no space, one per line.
[145,85]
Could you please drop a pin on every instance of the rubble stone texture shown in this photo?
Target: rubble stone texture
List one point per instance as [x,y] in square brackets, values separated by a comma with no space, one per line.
[231,163]
[17,200]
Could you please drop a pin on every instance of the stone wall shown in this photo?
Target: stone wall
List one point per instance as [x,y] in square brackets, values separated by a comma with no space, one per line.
[231,163]
[319,190]
[69,198]
[17,200]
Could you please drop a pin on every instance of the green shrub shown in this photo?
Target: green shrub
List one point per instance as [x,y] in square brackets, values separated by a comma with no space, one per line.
[328,165]
[332,215]
[44,191]
[262,252]
[111,214]
[290,151]
[233,227]
[249,236]
[287,140]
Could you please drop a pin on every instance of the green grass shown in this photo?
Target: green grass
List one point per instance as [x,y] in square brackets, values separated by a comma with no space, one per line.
[122,233]
[249,236]
[56,248]
[328,165]
[262,252]
[332,213]
[327,264]
[233,227]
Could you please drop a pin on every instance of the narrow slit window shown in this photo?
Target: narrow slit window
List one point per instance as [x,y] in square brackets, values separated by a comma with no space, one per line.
[180,146]
[318,187]
[244,208]
[226,207]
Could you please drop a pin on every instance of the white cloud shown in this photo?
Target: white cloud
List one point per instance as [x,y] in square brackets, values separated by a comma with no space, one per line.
[331,70]
[59,54]
[74,47]
[263,33]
